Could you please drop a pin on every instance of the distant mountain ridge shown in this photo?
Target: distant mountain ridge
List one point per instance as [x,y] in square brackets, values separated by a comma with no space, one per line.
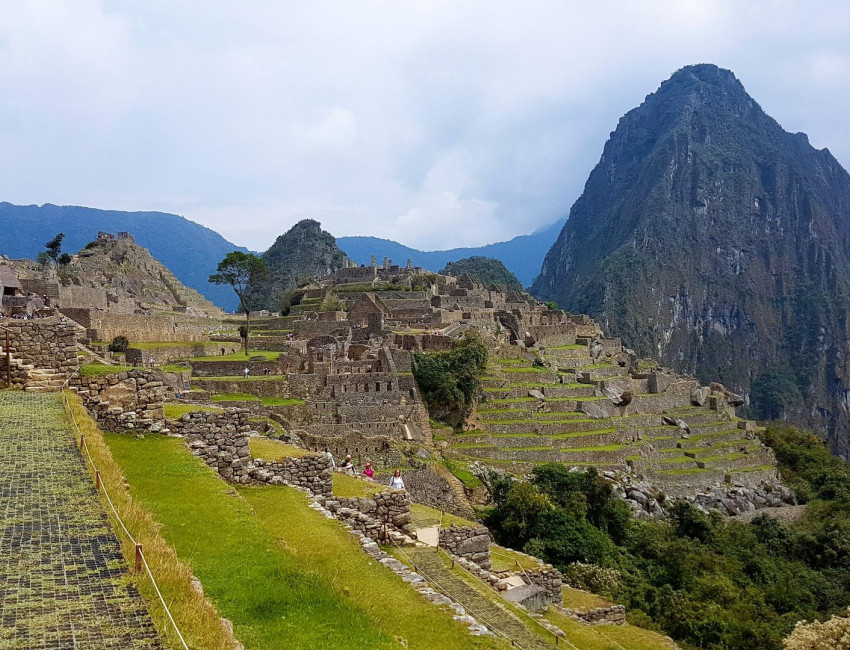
[189,250]
[522,255]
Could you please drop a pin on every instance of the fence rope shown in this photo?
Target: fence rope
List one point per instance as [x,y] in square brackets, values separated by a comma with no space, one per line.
[67,404]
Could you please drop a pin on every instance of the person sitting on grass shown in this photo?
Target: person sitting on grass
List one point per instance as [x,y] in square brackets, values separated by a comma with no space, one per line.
[396,483]
[348,465]
[368,472]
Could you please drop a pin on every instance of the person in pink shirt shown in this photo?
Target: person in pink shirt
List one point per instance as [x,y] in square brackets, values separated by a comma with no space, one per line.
[369,472]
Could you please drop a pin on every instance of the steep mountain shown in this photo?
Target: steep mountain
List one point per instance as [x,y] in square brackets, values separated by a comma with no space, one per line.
[522,255]
[486,269]
[189,250]
[709,237]
[302,252]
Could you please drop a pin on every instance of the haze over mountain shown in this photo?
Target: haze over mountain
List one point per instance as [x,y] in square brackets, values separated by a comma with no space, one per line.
[521,255]
[189,250]
[711,238]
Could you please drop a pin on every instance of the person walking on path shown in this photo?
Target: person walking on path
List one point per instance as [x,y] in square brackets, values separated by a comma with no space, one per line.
[246,372]
[396,482]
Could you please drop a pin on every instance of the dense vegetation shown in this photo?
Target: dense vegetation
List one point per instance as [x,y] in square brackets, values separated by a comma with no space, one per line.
[487,270]
[706,580]
[449,379]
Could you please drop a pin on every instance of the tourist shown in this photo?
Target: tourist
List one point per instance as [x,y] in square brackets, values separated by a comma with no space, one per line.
[368,472]
[396,483]
[246,372]
[348,465]
[150,361]
[331,458]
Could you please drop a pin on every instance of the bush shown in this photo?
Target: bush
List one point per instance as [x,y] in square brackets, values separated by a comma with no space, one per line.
[592,577]
[449,379]
[119,344]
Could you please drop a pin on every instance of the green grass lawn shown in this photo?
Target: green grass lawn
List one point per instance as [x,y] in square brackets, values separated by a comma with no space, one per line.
[425,516]
[281,401]
[270,449]
[173,411]
[173,367]
[101,370]
[608,637]
[346,485]
[234,397]
[282,573]
[506,559]
[239,356]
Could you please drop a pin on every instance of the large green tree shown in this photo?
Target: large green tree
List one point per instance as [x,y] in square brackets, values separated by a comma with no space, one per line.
[244,272]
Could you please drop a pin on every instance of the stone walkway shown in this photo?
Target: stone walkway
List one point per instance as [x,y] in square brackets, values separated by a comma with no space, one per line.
[430,566]
[63,579]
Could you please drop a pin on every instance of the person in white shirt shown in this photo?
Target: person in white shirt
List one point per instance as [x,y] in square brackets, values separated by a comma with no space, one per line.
[246,373]
[396,483]
[331,458]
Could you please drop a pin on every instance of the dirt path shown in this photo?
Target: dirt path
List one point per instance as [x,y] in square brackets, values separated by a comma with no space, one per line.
[63,580]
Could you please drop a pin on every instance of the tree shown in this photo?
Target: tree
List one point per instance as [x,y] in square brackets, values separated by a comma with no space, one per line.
[54,247]
[244,272]
[64,259]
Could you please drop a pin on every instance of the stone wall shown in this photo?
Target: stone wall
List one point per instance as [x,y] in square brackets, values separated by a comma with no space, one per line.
[168,353]
[312,471]
[125,400]
[276,387]
[550,579]
[222,440]
[105,326]
[466,542]
[369,515]
[427,486]
[46,344]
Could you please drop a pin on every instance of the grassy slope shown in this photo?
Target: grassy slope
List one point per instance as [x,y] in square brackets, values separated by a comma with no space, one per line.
[281,582]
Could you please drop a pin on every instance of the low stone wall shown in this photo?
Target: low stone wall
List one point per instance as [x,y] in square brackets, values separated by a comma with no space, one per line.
[613,615]
[125,400]
[47,343]
[427,486]
[277,387]
[370,515]
[312,472]
[168,353]
[213,368]
[222,440]
[106,326]
[550,579]
[469,543]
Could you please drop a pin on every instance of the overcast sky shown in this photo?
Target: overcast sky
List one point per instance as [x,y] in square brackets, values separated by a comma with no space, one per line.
[435,123]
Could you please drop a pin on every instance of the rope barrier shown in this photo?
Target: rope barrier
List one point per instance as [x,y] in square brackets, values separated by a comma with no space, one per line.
[139,552]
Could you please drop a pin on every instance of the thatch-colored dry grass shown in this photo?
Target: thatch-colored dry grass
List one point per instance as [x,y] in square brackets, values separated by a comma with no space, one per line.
[197,618]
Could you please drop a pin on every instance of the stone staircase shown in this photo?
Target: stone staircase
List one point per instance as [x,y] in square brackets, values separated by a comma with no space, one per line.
[481,603]
[44,380]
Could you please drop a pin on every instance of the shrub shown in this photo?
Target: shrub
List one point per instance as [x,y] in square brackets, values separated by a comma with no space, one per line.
[592,577]
[119,344]
[449,379]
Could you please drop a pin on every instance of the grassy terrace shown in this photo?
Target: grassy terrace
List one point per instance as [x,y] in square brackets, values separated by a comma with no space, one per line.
[425,516]
[285,575]
[174,411]
[270,449]
[101,370]
[247,397]
[239,356]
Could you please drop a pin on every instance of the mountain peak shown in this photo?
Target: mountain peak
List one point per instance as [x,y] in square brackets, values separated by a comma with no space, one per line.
[704,236]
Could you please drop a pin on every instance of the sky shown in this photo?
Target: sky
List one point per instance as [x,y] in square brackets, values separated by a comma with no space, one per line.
[437,123]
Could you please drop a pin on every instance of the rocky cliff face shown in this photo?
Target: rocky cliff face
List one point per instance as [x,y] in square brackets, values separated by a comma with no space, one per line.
[303,252]
[712,239]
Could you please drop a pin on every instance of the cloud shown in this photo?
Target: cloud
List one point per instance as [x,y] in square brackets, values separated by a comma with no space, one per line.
[435,123]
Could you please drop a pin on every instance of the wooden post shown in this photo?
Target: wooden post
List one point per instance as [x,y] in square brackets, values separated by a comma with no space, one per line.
[8,362]
[82,440]
[97,479]
[138,558]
